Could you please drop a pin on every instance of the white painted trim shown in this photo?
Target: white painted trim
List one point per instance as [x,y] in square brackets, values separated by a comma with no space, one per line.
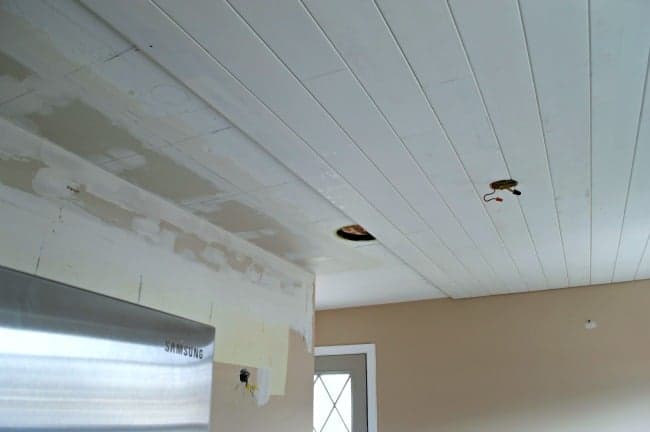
[371,373]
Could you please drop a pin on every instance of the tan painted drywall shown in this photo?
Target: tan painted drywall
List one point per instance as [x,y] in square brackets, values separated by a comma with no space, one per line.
[508,363]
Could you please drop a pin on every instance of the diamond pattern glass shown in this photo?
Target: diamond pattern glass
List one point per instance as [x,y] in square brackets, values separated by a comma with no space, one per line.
[332,403]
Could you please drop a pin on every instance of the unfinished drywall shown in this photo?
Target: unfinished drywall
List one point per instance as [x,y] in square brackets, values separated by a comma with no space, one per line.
[514,363]
[65,219]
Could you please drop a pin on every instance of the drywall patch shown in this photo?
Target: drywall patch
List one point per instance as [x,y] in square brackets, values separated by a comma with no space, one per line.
[34,177]
[237,217]
[150,229]
[12,68]
[54,184]
[214,257]
[189,243]
[105,211]
[213,254]
[303,245]
[90,182]
[19,173]
[83,130]
[180,182]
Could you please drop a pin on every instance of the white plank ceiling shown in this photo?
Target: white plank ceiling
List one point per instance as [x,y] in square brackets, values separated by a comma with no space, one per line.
[309,114]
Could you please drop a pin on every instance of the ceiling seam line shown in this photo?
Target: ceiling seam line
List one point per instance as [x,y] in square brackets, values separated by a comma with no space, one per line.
[232,76]
[18,96]
[437,119]
[492,128]
[634,155]
[591,152]
[348,69]
[200,135]
[352,141]
[645,250]
[543,132]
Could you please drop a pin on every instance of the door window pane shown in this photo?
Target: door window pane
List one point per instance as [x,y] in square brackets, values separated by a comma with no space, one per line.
[335,424]
[332,403]
[322,405]
[344,405]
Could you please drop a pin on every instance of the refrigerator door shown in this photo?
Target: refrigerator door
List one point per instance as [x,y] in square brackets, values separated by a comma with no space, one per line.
[75,360]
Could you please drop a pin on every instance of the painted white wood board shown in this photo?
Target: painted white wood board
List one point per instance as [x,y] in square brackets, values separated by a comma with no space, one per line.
[364,41]
[355,112]
[620,38]
[560,65]
[636,223]
[443,167]
[493,37]
[465,150]
[294,38]
[434,249]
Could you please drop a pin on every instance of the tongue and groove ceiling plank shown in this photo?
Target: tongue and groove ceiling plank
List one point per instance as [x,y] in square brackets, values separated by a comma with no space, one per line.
[620,40]
[401,113]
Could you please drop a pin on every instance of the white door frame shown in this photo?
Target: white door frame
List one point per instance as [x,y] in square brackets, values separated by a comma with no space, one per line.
[371,373]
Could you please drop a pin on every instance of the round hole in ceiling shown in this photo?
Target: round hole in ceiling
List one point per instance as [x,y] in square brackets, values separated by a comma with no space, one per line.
[354,233]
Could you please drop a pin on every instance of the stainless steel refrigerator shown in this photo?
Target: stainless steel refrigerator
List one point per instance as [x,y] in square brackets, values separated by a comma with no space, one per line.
[71,359]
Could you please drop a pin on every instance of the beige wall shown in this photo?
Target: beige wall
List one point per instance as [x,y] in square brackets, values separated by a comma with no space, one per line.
[508,363]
